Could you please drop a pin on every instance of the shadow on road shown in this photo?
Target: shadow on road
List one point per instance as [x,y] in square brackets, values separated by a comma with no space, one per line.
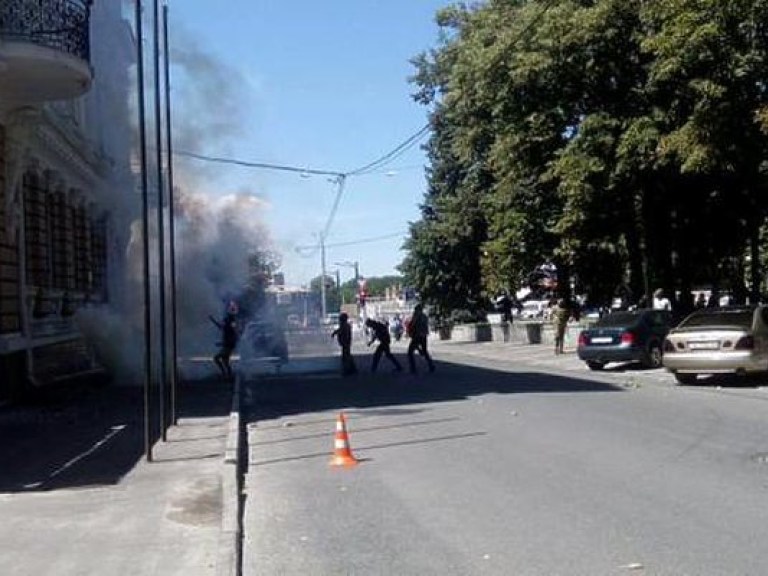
[273,397]
[83,435]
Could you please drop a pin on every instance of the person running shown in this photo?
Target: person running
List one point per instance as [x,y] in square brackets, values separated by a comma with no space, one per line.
[380,332]
[228,343]
[343,335]
[418,329]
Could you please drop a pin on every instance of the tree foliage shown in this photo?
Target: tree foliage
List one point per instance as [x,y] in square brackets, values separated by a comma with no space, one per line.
[624,140]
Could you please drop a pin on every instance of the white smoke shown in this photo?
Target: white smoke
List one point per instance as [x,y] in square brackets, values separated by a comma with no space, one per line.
[215,237]
[216,230]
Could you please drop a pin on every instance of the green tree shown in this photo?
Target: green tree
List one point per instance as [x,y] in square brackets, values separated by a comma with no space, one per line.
[623,139]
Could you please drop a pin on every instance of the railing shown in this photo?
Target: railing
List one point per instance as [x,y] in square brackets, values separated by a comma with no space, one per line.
[58,24]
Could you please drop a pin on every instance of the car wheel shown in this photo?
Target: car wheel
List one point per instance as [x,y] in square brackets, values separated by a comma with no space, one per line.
[595,365]
[654,356]
[685,379]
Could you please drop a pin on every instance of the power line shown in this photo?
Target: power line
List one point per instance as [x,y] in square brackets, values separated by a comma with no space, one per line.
[365,169]
[315,247]
[390,156]
[365,240]
[340,182]
[248,164]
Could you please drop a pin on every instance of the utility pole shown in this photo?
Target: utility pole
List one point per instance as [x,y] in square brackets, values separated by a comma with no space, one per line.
[145,237]
[172,228]
[162,296]
[340,180]
[322,278]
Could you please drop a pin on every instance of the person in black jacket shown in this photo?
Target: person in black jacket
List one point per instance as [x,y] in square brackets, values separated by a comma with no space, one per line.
[228,343]
[418,330]
[343,335]
[380,332]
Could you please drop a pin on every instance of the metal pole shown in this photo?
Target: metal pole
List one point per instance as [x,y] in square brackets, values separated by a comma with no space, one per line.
[322,279]
[171,223]
[338,287]
[160,226]
[145,238]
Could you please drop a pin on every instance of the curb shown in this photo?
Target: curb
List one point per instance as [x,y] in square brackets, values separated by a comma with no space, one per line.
[228,554]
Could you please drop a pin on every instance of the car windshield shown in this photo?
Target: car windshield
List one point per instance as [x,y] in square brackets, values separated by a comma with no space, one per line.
[737,318]
[617,319]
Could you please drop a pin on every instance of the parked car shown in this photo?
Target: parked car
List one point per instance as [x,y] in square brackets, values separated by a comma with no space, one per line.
[533,309]
[634,336]
[729,340]
[262,338]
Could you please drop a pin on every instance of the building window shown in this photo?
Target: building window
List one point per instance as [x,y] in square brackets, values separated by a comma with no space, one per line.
[10,302]
[36,231]
[61,259]
[99,258]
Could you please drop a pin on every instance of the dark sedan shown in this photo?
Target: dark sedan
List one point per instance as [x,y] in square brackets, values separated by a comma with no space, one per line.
[635,336]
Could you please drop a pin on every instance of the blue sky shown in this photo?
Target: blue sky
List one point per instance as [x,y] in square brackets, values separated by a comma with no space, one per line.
[312,84]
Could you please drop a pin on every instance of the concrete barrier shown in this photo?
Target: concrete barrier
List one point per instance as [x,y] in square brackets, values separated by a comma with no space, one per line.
[480,332]
[526,332]
[519,332]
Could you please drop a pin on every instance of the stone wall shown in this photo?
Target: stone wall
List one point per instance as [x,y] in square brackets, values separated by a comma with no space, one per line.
[516,333]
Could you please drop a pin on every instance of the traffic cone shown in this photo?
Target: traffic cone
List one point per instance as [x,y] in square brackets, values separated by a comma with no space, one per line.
[342,453]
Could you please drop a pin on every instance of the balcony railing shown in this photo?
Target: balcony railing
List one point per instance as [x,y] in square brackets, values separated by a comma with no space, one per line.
[58,24]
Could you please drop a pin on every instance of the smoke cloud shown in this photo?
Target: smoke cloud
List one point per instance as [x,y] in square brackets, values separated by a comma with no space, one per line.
[216,229]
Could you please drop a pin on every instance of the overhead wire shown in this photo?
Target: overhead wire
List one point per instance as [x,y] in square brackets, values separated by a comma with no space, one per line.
[340,181]
[248,164]
[340,177]
[365,169]
[314,247]
[391,155]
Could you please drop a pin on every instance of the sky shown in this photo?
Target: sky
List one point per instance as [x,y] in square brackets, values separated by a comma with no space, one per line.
[307,84]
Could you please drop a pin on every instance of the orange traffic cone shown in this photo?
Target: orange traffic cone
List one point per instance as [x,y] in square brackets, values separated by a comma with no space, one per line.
[342,453]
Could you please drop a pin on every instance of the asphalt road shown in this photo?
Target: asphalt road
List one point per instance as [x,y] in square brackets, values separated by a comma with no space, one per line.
[507,461]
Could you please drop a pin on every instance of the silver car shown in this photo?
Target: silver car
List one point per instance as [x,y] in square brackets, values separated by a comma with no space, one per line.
[730,340]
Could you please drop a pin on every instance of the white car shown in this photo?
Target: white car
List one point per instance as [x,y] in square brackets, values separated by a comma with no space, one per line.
[534,309]
[727,340]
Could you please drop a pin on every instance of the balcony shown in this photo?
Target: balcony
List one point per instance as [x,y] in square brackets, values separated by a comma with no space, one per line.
[44,50]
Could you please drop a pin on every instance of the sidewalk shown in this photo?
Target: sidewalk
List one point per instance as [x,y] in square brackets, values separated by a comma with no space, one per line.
[77,496]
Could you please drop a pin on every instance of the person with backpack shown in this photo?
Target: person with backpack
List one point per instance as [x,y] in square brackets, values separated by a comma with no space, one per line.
[380,332]
[418,330]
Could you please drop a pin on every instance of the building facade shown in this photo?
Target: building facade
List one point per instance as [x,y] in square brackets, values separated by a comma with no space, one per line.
[65,180]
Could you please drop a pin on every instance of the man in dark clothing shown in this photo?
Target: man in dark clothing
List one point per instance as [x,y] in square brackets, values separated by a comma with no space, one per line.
[380,332]
[504,305]
[418,330]
[228,343]
[343,335]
